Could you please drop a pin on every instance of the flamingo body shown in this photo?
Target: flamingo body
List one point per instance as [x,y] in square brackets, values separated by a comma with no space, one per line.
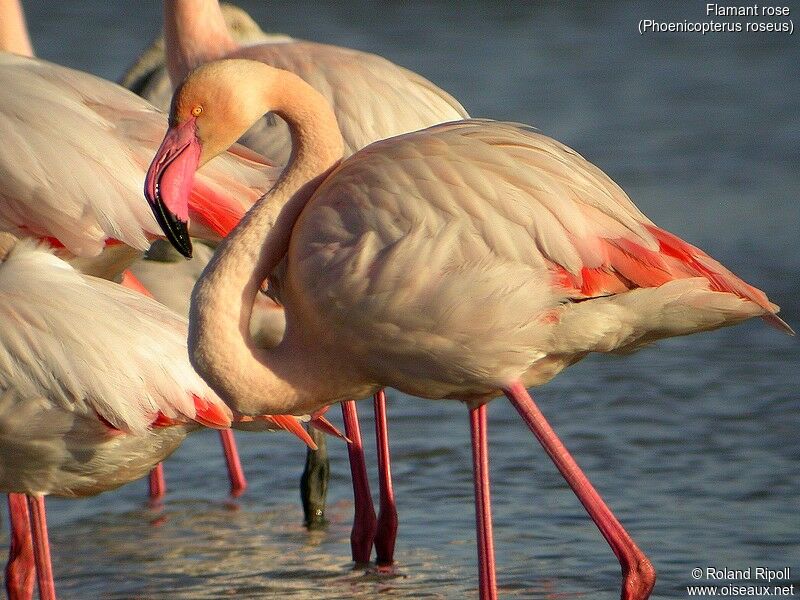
[483,253]
[87,371]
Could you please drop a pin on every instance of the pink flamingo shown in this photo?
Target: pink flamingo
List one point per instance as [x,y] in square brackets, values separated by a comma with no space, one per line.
[465,261]
[75,154]
[121,391]
[372,99]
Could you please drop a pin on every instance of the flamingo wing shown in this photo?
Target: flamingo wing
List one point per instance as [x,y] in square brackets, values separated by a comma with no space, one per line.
[93,347]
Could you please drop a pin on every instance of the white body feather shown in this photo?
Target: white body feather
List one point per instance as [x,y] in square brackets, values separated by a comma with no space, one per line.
[74,154]
[75,349]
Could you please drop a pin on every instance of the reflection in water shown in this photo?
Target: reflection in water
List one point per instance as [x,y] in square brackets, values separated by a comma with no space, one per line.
[694,443]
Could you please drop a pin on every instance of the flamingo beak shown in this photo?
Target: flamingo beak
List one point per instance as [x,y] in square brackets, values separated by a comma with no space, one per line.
[169,181]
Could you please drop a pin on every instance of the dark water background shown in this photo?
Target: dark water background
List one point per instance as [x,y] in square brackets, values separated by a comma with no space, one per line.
[694,443]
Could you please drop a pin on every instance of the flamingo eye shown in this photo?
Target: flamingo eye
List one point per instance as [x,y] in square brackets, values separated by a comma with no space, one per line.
[197,110]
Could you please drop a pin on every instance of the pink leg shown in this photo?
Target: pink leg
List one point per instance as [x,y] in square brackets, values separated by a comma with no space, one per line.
[20,569]
[638,575]
[158,486]
[365,523]
[41,548]
[387,514]
[487,579]
[235,471]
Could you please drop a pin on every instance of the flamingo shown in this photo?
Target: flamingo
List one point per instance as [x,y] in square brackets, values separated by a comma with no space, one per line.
[88,204]
[372,99]
[463,261]
[87,409]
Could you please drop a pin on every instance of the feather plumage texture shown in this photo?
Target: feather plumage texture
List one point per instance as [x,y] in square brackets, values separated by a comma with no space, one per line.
[372,97]
[92,347]
[525,257]
[74,153]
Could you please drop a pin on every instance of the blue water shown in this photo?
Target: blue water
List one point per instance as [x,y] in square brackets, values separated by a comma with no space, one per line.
[694,442]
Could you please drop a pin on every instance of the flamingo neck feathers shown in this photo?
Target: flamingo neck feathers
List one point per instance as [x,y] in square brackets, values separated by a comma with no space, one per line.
[253,380]
[195,33]
[13,31]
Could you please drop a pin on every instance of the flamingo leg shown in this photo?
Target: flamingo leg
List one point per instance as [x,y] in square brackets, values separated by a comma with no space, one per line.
[157,484]
[232,461]
[314,482]
[20,567]
[638,574]
[364,523]
[41,548]
[386,534]
[487,580]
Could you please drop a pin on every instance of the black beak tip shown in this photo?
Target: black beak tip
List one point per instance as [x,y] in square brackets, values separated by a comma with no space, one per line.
[175,230]
[179,238]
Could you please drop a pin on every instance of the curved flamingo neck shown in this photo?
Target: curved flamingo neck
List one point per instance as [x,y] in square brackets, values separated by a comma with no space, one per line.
[284,379]
[13,32]
[194,33]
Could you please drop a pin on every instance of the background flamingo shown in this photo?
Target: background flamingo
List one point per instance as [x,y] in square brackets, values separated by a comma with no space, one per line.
[69,392]
[525,258]
[90,202]
[148,76]
[120,392]
[372,97]
[13,31]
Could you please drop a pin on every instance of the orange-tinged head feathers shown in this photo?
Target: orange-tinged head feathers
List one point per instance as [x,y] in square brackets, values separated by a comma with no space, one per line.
[225,98]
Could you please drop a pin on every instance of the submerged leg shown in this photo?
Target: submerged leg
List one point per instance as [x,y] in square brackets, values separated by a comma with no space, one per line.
[386,535]
[20,569]
[314,482]
[365,523]
[41,548]
[638,575]
[157,484]
[487,580]
[234,464]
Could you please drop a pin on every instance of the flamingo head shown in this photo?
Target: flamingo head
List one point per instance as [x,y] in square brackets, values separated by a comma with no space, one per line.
[206,117]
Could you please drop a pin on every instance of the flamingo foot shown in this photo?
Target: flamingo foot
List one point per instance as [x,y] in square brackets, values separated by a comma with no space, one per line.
[234,464]
[487,578]
[41,548]
[314,482]
[386,535]
[638,574]
[20,568]
[365,522]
